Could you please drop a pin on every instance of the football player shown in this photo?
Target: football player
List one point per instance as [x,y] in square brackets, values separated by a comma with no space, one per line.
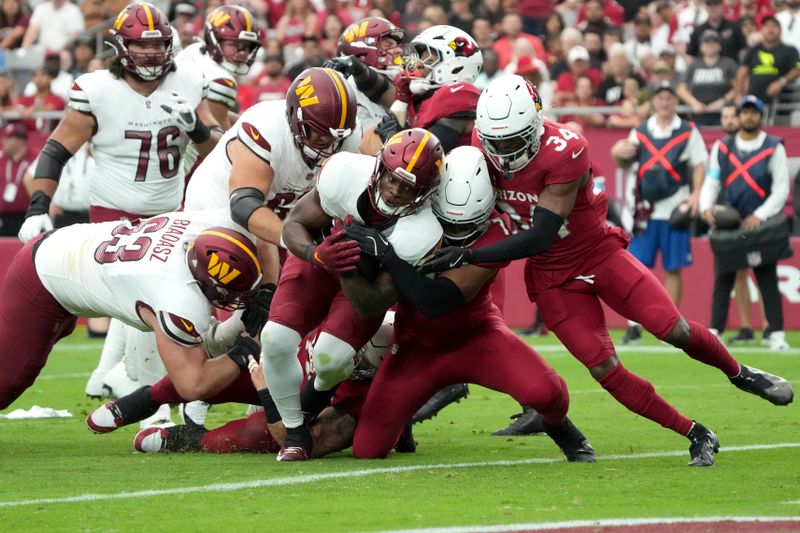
[231,40]
[447,329]
[369,54]
[140,116]
[332,430]
[435,91]
[161,275]
[575,260]
[389,191]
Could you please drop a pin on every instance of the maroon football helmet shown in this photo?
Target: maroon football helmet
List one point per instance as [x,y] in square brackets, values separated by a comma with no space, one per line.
[321,109]
[144,25]
[369,41]
[232,23]
[416,158]
[225,264]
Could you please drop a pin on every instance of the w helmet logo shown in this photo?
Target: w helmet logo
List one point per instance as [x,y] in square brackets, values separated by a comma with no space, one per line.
[305,93]
[218,18]
[356,31]
[462,47]
[220,270]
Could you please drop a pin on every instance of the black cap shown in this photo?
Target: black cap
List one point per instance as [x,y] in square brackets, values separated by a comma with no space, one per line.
[665,85]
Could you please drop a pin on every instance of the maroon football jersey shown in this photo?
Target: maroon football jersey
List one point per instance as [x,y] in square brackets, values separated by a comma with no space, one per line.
[455,99]
[562,157]
[412,326]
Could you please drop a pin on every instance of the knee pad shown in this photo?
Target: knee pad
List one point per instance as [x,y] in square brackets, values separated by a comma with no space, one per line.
[142,360]
[333,361]
[278,342]
[282,370]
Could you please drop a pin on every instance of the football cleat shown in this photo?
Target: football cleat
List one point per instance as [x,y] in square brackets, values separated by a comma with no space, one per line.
[772,388]
[571,441]
[440,400]
[703,447]
[105,419]
[744,336]
[195,413]
[406,442]
[528,422]
[95,388]
[777,341]
[632,335]
[292,453]
[181,438]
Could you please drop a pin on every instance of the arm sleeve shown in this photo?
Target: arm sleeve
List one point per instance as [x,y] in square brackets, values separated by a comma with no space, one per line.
[447,136]
[696,148]
[530,242]
[433,297]
[778,168]
[712,184]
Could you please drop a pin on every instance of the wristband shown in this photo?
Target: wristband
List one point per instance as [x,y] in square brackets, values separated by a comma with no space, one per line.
[308,252]
[270,409]
[201,132]
[40,204]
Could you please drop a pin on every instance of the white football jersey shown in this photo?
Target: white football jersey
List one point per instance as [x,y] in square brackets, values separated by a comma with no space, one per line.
[113,269]
[265,131]
[343,179]
[137,146]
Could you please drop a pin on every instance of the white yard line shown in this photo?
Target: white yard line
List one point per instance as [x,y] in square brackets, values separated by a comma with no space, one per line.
[74,375]
[312,478]
[599,523]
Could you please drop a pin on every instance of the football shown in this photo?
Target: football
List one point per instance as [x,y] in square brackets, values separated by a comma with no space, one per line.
[726,217]
[681,216]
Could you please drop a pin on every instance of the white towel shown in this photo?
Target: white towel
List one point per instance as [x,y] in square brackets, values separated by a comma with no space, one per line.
[37,412]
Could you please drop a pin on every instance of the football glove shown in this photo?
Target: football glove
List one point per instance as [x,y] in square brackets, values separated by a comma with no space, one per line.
[447,259]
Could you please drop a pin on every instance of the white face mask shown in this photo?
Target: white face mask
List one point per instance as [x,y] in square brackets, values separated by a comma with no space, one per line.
[420,85]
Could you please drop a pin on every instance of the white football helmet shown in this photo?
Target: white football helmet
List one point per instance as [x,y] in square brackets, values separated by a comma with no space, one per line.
[465,197]
[509,122]
[369,358]
[449,54]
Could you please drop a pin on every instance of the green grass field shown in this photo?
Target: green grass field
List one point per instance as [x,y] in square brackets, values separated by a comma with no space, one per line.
[56,475]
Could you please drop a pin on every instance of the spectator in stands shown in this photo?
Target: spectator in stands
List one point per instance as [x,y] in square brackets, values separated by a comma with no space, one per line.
[553,24]
[752,36]
[688,15]
[298,20]
[43,100]
[82,54]
[96,11]
[534,15]
[15,15]
[790,23]
[634,107]
[531,68]
[332,28]
[585,97]
[385,9]
[578,60]
[755,9]
[632,8]
[434,15]
[55,64]
[482,33]
[271,84]
[570,38]
[671,155]
[8,94]
[619,69]
[731,36]
[709,81]
[660,36]
[641,38]
[662,73]
[336,9]
[512,30]
[757,195]
[461,16]
[594,17]
[54,23]
[492,10]
[313,56]
[14,160]
[593,42]
[770,66]
[490,70]
[413,15]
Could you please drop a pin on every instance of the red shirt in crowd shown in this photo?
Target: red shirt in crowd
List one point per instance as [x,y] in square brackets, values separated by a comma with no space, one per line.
[50,102]
[11,173]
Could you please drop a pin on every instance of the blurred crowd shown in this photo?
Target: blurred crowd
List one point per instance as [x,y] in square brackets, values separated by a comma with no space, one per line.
[580,53]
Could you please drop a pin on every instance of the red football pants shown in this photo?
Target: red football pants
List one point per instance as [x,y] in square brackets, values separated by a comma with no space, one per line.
[31,322]
[573,311]
[491,356]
